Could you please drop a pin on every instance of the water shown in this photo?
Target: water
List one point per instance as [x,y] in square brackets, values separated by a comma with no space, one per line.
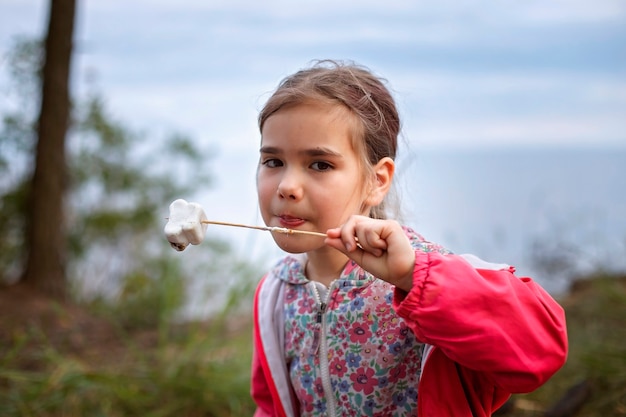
[499,204]
[569,204]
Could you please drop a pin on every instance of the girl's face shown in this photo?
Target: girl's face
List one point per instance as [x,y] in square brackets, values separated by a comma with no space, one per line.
[309,176]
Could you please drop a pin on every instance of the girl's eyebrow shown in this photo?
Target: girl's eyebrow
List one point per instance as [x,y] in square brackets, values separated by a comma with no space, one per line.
[269,149]
[321,151]
[318,151]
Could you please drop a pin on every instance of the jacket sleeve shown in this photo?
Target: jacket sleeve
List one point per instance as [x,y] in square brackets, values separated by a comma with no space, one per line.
[487,320]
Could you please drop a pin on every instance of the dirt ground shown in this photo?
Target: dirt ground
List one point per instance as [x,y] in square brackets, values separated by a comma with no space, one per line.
[27,314]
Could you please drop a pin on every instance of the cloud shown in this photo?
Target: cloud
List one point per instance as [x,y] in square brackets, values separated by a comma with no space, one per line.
[578,11]
[509,69]
[521,131]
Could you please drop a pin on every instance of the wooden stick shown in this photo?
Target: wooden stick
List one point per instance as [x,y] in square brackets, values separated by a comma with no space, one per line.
[269,229]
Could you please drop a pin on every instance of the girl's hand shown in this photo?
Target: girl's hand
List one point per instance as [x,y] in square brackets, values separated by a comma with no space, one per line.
[383,248]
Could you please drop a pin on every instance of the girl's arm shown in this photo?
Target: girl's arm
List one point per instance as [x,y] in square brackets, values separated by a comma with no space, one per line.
[484,318]
[487,320]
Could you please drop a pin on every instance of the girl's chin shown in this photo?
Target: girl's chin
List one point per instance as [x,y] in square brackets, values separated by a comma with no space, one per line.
[297,244]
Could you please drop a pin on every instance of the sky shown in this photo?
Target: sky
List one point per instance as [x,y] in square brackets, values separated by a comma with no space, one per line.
[475,74]
[466,74]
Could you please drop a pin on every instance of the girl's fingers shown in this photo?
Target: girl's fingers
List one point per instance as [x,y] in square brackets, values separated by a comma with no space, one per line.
[360,233]
[379,246]
[370,241]
[348,234]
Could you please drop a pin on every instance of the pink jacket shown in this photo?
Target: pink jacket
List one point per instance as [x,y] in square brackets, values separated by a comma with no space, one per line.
[488,334]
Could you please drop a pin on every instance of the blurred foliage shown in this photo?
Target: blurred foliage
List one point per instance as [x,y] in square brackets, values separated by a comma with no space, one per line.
[203,368]
[130,348]
[121,183]
[573,246]
[198,370]
[12,209]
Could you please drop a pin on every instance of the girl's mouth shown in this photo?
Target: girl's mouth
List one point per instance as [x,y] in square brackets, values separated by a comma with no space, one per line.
[290,221]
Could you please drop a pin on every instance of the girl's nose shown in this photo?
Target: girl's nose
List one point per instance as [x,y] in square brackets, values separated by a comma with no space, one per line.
[290,187]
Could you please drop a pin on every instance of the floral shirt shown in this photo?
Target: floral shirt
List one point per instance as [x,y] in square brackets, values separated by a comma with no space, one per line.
[345,347]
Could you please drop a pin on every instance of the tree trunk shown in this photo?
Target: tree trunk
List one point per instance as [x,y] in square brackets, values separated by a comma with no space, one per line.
[45,234]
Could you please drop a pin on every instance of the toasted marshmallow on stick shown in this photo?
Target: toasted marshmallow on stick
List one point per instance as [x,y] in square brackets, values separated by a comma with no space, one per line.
[186,224]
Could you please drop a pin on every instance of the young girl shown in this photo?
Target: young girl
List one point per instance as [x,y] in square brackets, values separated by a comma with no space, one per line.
[373,320]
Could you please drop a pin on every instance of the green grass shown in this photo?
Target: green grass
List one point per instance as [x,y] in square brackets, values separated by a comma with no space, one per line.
[203,369]
[203,372]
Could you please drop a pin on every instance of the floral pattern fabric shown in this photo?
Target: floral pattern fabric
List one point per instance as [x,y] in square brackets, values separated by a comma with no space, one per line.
[373,358]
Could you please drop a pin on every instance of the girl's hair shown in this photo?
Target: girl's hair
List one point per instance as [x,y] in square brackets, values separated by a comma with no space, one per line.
[355,87]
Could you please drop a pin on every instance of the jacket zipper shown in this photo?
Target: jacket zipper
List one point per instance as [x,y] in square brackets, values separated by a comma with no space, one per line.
[322,348]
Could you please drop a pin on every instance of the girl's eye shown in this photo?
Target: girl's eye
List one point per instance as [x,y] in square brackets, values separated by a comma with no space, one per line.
[321,166]
[272,163]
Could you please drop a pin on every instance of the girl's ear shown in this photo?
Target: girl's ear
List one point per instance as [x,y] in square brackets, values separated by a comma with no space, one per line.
[383,175]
